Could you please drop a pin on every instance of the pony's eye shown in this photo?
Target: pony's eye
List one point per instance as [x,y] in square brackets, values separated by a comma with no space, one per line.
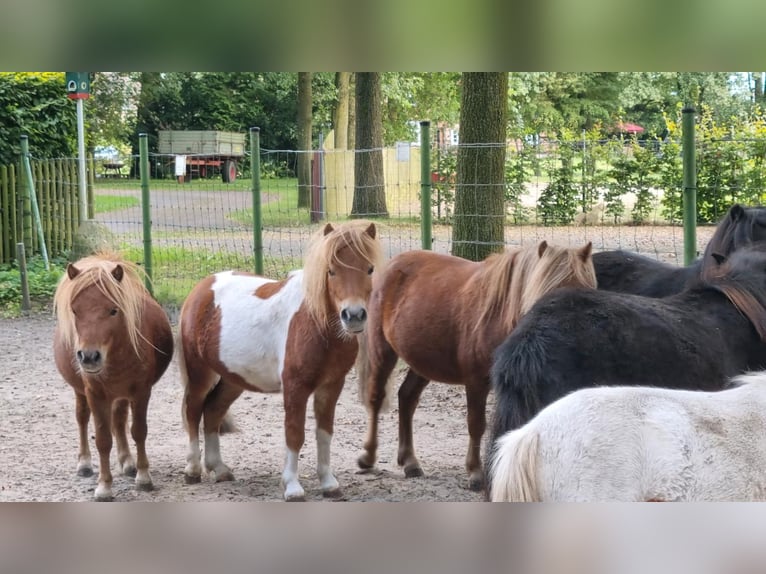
[113,312]
[370,270]
[331,273]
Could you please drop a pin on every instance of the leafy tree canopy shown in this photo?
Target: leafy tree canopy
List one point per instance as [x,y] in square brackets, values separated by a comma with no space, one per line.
[35,104]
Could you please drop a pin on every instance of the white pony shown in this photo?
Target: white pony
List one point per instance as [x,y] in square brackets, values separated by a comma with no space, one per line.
[625,444]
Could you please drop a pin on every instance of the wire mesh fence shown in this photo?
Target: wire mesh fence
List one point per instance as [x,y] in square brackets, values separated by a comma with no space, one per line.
[617,194]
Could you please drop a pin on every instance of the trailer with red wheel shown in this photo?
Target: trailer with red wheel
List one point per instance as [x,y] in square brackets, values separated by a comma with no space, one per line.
[206,152]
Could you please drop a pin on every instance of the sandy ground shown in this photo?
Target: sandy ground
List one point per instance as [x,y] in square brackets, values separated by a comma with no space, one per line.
[38,439]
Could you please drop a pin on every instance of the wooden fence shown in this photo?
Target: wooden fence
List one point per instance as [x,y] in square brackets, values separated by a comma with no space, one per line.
[57,191]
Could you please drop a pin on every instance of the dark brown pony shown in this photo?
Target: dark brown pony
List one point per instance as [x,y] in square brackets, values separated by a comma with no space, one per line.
[243,332]
[112,343]
[444,316]
[628,272]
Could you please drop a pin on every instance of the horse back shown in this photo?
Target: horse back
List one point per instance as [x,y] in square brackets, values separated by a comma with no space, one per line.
[627,272]
[236,324]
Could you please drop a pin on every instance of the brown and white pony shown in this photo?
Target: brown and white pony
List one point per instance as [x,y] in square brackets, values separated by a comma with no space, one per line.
[239,331]
[444,316]
[112,343]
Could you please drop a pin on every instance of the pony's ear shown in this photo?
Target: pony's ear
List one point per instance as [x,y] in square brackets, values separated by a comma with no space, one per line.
[719,259]
[585,252]
[118,272]
[328,228]
[370,230]
[72,271]
[542,247]
[736,212]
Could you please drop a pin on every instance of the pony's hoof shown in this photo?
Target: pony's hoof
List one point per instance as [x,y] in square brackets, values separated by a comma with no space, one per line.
[476,484]
[144,486]
[364,462]
[413,472]
[129,470]
[224,476]
[103,498]
[334,493]
[296,498]
[85,471]
[190,479]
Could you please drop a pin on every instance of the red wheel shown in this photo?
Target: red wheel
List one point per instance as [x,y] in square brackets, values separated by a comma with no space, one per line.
[229,171]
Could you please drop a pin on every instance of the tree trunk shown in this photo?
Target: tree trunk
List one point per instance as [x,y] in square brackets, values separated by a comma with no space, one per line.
[351,144]
[304,139]
[340,115]
[369,182]
[479,193]
[758,93]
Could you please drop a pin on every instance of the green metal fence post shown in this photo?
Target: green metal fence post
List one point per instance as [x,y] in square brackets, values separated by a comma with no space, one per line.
[146,212]
[26,170]
[255,168]
[425,185]
[690,186]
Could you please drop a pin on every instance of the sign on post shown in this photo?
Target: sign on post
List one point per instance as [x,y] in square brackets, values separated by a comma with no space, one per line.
[78,85]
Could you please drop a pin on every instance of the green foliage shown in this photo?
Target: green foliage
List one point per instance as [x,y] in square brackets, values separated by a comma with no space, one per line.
[35,105]
[42,284]
[557,204]
[106,203]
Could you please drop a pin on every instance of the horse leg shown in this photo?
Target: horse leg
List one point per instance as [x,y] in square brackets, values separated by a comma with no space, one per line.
[295,398]
[119,426]
[196,388]
[409,397]
[102,416]
[82,412]
[217,404]
[325,401]
[382,363]
[139,405]
[476,398]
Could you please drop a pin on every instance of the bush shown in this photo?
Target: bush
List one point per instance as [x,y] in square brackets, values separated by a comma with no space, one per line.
[42,285]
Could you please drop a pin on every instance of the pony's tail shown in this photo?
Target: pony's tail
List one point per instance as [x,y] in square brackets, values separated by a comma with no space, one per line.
[362,366]
[516,375]
[514,467]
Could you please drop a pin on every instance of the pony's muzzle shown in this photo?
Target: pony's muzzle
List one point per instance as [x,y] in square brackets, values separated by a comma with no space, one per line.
[91,360]
[353,319]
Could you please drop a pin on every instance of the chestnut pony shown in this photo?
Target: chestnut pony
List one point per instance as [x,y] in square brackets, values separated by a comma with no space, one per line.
[112,343]
[240,332]
[444,316]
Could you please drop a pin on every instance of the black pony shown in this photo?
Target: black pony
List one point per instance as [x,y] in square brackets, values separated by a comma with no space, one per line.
[576,338]
[628,272]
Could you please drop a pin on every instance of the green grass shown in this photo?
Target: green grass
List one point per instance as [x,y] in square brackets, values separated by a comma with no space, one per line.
[176,270]
[106,203]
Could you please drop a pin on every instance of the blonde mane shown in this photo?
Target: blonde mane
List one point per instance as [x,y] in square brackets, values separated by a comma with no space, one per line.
[512,281]
[126,294]
[323,252]
[557,267]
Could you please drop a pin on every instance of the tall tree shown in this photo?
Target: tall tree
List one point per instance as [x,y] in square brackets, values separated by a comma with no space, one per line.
[340,114]
[352,112]
[479,193]
[304,139]
[369,181]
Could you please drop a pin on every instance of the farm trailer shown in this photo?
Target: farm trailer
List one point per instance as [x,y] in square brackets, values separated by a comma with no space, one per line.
[205,151]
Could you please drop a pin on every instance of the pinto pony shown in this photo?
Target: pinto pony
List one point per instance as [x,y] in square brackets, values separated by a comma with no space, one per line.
[630,444]
[628,272]
[444,316]
[577,338]
[240,332]
[111,344]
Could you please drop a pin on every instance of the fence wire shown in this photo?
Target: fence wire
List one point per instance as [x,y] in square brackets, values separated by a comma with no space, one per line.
[616,194]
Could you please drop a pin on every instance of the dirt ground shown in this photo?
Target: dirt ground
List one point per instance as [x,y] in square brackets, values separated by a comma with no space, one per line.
[38,439]
[38,432]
